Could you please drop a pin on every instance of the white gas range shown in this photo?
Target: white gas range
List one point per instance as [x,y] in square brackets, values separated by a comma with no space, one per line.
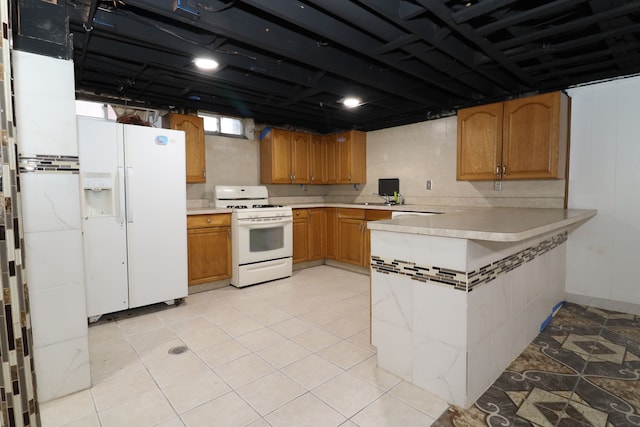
[261,234]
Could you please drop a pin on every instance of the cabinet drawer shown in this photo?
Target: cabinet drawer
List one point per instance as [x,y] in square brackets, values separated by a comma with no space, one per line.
[351,213]
[213,220]
[375,215]
[300,213]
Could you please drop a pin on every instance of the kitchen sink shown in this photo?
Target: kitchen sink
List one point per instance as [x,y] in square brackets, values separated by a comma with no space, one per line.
[378,204]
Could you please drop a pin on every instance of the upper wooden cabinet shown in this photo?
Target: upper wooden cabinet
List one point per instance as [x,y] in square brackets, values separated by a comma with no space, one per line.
[523,138]
[193,127]
[318,160]
[284,157]
[352,157]
[289,157]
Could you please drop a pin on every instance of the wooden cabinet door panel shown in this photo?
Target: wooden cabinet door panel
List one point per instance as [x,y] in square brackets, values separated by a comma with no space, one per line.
[209,251]
[300,147]
[344,158]
[372,215]
[318,160]
[531,133]
[332,232]
[193,127]
[358,156]
[281,157]
[332,159]
[479,142]
[351,241]
[300,240]
[317,234]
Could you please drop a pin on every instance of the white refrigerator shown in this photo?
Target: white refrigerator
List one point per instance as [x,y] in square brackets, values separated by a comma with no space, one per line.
[134,215]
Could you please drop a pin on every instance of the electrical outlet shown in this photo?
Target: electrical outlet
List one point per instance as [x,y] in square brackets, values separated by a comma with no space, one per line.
[429,184]
[497,185]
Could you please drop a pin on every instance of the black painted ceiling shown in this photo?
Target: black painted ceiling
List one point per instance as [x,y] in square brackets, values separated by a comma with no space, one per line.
[286,62]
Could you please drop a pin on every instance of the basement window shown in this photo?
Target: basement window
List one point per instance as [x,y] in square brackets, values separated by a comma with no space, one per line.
[99,110]
[222,125]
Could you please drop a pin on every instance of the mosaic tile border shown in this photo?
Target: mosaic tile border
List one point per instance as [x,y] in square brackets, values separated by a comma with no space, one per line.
[49,163]
[19,405]
[461,280]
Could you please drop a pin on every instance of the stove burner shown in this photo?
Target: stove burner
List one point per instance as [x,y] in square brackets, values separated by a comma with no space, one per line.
[267,206]
[238,207]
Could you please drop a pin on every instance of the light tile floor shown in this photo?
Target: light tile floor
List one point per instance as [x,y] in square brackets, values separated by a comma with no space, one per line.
[293,352]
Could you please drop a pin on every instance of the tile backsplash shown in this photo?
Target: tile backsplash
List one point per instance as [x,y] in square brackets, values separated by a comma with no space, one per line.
[413,153]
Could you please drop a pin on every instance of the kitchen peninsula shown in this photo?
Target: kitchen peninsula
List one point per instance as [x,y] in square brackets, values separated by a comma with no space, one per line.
[456,297]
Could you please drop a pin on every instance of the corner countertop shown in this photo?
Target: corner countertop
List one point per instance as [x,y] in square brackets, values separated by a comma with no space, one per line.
[403,208]
[493,224]
[474,223]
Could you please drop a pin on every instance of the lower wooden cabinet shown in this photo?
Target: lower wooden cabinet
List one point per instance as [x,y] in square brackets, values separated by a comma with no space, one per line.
[334,233]
[300,235]
[309,234]
[317,234]
[209,247]
[372,215]
[351,228]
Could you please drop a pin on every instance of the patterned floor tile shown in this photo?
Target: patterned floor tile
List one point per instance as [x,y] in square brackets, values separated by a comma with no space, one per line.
[583,370]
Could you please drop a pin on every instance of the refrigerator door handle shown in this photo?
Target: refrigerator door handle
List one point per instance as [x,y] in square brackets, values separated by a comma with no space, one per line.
[127,193]
[121,201]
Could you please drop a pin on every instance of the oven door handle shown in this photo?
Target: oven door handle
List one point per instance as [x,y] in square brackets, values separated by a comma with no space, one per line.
[264,224]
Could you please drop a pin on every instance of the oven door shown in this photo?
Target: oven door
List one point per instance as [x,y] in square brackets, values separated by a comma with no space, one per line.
[264,239]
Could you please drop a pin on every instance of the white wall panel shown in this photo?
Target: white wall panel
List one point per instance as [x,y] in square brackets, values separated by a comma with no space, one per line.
[604,174]
[45,104]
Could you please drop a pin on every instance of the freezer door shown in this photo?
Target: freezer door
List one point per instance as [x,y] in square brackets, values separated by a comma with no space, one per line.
[156,214]
[103,230]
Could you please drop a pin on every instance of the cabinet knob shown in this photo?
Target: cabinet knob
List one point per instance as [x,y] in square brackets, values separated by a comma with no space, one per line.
[209,220]
[497,169]
[504,169]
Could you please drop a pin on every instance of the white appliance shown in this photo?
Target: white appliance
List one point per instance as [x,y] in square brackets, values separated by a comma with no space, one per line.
[134,212]
[261,234]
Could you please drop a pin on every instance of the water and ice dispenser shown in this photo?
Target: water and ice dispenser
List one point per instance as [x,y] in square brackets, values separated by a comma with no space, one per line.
[99,198]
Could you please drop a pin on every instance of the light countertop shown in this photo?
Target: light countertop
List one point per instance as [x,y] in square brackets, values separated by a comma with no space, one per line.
[207,211]
[495,224]
[403,208]
[474,223]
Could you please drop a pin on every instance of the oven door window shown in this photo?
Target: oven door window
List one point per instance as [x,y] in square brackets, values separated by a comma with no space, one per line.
[266,239]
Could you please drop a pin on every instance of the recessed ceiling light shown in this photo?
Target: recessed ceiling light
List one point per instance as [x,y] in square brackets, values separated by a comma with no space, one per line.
[351,102]
[205,63]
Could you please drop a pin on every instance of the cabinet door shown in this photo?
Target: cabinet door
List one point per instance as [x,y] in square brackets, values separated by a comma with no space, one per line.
[351,241]
[317,234]
[332,159]
[209,251]
[534,137]
[281,156]
[318,160]
[358,156]
[479,142]
[352,157]
[300,236]
[344,158]
[332,232]
[193,127]
[372,215]
[300,147]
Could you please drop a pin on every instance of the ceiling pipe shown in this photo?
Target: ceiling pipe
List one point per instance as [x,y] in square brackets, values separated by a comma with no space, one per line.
[88,28]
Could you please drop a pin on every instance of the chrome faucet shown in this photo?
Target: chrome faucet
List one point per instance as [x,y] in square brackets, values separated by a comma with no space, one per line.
[384,196]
